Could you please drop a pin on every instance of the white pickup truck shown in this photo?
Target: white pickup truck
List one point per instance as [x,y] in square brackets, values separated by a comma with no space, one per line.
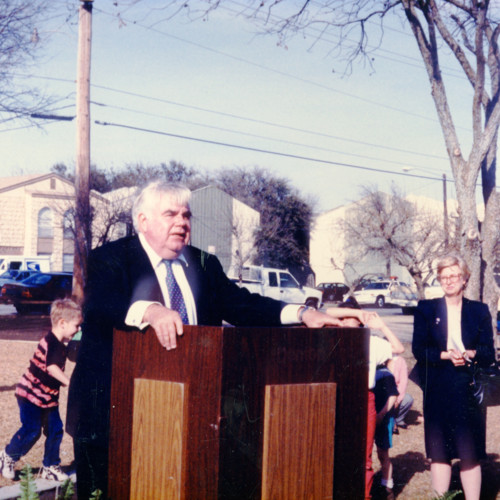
[24,263]
[278,284]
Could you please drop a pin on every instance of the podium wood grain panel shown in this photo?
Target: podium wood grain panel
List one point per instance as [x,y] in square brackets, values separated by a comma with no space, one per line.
[299,429]
[196,363]
[225,371]
[157,440]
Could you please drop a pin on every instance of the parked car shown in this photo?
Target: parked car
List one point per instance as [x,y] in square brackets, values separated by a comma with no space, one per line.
[387,292]
[433,290]
[38,291]
[333,292]
[13,275]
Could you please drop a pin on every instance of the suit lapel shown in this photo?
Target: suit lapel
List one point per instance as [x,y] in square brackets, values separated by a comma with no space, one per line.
[441,323]
[142,275]
[192,270]
[467,330]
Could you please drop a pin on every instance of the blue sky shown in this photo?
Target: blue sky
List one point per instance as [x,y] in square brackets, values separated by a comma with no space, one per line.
[218,80]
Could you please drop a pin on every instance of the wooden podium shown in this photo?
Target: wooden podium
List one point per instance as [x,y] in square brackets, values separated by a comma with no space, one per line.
[239,413]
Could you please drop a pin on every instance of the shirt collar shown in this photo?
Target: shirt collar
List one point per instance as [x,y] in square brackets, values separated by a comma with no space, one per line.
[154,258]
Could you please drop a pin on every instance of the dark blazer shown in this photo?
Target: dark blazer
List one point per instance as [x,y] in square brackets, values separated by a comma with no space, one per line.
[430,332]
[453,420]
[120,273]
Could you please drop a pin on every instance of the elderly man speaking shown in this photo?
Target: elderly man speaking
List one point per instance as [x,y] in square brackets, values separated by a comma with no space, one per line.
[153,279]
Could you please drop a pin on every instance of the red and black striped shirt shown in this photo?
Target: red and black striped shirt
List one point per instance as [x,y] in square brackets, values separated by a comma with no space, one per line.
[36,385]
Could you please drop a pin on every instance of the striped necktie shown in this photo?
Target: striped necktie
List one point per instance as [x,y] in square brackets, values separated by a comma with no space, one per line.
[176,300]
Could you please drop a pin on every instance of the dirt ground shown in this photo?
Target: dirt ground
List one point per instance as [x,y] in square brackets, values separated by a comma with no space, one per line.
[14,359]
[411,469]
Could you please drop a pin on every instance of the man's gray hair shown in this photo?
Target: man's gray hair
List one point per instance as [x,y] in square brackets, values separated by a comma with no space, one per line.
[151,193]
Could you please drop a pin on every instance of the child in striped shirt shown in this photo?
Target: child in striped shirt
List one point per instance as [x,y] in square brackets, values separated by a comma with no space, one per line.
[37,394]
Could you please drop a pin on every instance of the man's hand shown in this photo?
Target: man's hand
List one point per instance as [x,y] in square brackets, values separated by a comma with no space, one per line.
[167,324]
[315,319]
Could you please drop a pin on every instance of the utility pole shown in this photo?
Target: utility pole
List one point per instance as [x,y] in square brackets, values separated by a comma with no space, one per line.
[445,214]
[83,235]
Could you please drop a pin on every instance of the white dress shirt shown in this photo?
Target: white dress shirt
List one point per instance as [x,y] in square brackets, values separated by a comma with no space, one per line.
[455,329]
[135,314]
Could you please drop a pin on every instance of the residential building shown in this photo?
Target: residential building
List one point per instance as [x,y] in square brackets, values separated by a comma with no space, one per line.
[37,217]
[330,252]
[224,226]
[332,255]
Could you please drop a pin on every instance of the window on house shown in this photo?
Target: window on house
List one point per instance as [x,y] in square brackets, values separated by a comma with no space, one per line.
[68,225]
[68,260]
[45,223]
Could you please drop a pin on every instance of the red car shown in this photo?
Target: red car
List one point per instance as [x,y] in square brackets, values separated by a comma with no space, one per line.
[38,291]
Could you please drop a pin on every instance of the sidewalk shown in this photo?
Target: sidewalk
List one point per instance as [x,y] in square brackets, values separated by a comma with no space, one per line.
[44,487]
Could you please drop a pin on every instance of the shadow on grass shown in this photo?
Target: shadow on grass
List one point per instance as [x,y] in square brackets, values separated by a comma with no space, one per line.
[411,463]
[492,391]
[414,417]
[491,477]
[490,484]
[6,388]
[406,466]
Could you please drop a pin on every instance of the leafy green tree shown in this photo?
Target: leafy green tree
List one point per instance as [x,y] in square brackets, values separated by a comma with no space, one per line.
[100,180]
[283,237]
[138,174]
[62,170]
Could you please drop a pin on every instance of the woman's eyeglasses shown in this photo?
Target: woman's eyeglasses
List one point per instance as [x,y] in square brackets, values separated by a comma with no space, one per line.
[452,278]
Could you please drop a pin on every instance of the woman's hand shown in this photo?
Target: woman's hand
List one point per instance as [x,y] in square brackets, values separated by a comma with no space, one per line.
[469,354]
[456,357]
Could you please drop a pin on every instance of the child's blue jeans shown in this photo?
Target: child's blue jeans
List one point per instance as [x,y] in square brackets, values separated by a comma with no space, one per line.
[35,419]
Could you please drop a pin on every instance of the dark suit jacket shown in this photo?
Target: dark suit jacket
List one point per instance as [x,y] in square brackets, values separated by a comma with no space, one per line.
[119,274]
[430,333]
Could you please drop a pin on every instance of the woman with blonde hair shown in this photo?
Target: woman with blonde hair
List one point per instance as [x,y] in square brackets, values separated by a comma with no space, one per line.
[453,335]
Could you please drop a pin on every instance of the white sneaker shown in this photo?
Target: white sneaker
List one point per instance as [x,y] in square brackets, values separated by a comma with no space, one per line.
[53,473]
[7,465]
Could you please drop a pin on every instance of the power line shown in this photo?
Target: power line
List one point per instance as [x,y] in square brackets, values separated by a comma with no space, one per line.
[265,122]
[276,71]
[268,151]
[247,118]
[267,138]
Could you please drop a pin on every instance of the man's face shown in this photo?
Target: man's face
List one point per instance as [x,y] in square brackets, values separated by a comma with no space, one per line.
[166,225]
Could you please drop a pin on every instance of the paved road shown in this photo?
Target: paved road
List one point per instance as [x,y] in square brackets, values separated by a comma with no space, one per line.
[400,324]
[15,327]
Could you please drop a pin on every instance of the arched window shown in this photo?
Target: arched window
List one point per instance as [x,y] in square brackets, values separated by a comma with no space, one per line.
[69,225]
[45,223]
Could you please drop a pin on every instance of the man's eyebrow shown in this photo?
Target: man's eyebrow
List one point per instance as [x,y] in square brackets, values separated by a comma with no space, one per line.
[169,212]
